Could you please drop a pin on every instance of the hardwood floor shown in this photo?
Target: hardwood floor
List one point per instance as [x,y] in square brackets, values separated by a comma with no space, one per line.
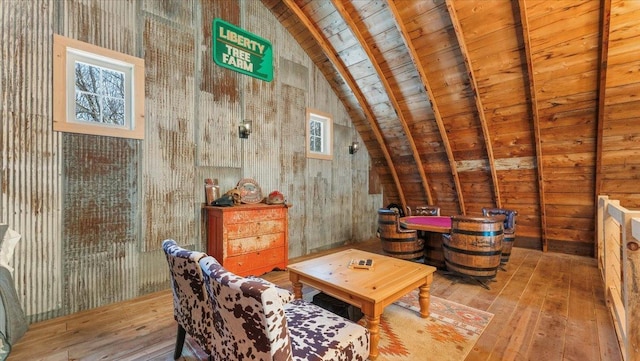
[546,306]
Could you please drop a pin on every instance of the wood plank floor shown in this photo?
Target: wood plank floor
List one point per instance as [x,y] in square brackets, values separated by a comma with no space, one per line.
[547,306]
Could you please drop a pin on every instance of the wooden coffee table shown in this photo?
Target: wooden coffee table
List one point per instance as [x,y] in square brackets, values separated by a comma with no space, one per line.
[370,290]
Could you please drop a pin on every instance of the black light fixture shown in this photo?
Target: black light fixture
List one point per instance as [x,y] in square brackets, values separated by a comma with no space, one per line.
[353,148]
[244,129]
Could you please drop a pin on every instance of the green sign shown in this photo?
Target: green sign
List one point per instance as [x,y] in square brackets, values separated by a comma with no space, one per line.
[241,51]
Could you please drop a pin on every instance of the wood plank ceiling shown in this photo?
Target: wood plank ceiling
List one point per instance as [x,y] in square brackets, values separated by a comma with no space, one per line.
[474,103]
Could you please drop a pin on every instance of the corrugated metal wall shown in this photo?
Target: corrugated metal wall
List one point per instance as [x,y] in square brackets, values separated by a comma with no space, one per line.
[31,182]
[93,211]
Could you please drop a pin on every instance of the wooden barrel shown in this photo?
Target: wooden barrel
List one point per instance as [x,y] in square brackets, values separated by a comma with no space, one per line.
[474,246]
[433,254]
[509,229]
[397,242]
[507,244]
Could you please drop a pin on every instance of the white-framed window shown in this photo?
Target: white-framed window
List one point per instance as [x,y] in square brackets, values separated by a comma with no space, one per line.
[319,135]
[96,90]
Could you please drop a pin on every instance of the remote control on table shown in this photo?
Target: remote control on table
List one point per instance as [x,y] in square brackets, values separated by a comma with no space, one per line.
[361,263]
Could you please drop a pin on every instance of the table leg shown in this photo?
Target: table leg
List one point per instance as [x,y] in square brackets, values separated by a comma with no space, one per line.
[373,324]
[425,297]
[297,285]
[297,290]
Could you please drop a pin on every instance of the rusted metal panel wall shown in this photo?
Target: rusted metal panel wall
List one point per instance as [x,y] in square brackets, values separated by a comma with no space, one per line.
[260,102]
[29,168]
[220,103]
[93,211]
[169,146]
[100,193]
[292,72]
[100,211]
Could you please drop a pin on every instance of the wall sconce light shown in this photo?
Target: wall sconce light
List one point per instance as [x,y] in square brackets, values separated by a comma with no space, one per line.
[353,148]
[244,129]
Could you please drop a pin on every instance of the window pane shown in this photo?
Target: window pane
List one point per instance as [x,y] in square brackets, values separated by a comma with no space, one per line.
[315,144]
[99,94]
[319,133]
[113,111]
[315,128]
[113,82]
[87,107]
[87,78]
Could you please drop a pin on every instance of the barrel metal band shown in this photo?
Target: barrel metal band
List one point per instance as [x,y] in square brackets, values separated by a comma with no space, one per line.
[387,222]
[473,253]
[477,233]
[471,268]
[405,252]
[399,240]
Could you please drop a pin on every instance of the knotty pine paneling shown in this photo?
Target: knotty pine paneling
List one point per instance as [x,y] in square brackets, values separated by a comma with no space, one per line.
[621,129]
[574,89]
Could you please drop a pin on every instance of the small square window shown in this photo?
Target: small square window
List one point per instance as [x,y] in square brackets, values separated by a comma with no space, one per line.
[319,135]
[97,91]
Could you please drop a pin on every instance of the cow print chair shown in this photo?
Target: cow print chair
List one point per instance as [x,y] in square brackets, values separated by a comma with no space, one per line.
[251,322]
[191,307]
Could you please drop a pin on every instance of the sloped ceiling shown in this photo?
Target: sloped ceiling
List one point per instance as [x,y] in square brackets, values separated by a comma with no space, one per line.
[468,104]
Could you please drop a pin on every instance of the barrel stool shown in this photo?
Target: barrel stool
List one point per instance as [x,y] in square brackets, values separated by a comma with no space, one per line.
[474,247]
[424,211]
[398,242]
[509,230]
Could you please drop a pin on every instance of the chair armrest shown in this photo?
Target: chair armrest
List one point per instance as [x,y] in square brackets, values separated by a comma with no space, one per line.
[285,295]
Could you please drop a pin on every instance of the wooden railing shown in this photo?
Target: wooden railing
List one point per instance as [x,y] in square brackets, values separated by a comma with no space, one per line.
[618,255]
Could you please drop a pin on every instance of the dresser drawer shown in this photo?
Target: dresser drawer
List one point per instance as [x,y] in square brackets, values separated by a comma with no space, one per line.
[255,216]
[256,263]
[243,230]
[239,246]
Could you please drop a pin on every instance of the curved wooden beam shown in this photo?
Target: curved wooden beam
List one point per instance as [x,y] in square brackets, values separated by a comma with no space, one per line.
[425,80]
[342,69]
[522,7]
[338,4]
[602,87]
[480,108]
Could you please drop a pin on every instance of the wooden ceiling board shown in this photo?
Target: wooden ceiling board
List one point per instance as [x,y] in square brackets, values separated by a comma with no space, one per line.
[623,87]
[343,41]
[556,11]
[536,88]
[628,46]
[504,89]
[379,22]
[423,16]
[546,35]
[473,17]
[513,145]
[559,87]
[563,60]
[316,10]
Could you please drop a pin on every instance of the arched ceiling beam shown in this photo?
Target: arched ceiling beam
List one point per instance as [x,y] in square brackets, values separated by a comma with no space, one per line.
[602,87]
[390,93]
[476,95]
[434,105]
[536,118]
[342,69]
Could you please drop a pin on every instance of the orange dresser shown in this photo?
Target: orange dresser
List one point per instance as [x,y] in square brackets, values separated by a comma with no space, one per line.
[248,239]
